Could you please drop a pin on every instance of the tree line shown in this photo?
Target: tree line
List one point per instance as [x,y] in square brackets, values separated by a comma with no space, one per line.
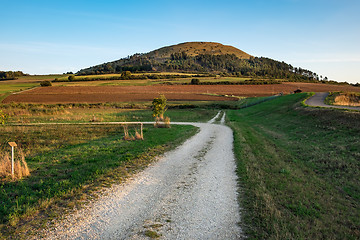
[10,75]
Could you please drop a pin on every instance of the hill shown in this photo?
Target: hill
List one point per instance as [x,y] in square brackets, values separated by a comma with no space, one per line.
[203,57]
[193,49]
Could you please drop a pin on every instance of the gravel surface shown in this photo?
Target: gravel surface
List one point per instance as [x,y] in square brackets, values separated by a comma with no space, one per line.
[190,193]
[318,101]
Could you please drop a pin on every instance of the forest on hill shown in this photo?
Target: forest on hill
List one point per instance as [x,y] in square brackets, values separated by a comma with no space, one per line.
[227,64]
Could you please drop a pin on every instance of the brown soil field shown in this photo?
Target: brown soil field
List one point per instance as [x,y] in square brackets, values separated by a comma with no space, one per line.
[97,94]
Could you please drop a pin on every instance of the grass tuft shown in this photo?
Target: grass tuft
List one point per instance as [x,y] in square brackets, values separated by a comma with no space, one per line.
[151,234]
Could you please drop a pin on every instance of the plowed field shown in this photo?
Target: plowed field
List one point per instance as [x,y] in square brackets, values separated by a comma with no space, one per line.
[96,94]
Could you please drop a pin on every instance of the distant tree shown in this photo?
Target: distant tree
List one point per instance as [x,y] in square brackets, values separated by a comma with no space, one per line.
[71,78]
[45,84]
[126,75]
[10,75]
[109,68]
[195,81]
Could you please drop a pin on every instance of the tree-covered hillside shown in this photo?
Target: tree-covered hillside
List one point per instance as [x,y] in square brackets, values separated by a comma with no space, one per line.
[170,59]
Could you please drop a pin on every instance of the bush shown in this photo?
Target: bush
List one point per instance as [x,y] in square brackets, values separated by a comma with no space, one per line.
[126,75]
[3,117]
[195,81]
[71,78]
[45,84]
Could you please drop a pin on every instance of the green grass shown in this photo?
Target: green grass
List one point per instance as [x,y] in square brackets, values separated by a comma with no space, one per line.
[68,164]
[298,170]
[152,234]
[7,88]
[22,83]
[330,99]
[14,87]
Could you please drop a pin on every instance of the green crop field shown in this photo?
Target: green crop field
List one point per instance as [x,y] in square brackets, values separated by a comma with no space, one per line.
[8,88]
[5,88]
[298,170]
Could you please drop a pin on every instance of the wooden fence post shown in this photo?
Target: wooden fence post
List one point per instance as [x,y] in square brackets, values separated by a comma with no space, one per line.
[12,144]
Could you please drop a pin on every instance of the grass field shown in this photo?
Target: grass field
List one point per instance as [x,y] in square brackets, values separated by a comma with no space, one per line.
[298,170]
[22,83]
[69,163]
[7,89]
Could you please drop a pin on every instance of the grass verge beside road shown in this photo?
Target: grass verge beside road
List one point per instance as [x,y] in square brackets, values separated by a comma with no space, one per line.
[69,164]
[299,170]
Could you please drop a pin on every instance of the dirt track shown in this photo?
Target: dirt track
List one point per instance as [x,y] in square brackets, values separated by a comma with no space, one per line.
[190,193]
[78,94]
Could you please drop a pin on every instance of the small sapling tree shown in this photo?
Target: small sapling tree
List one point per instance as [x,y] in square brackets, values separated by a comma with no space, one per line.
[159,108]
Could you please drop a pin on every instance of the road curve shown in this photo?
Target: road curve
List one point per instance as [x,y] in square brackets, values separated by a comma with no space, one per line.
[190,193]
[318,101]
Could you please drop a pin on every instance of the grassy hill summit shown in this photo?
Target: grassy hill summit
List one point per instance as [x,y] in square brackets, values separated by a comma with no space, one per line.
[204,57]
[193,49]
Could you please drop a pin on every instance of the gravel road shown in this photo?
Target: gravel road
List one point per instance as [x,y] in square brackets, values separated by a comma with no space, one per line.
[318,101]
[190,193]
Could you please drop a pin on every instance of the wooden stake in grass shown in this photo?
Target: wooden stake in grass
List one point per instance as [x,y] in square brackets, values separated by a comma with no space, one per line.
[12,145]
[16,168]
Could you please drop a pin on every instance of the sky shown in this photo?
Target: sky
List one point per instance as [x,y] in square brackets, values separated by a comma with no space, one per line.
[57,36]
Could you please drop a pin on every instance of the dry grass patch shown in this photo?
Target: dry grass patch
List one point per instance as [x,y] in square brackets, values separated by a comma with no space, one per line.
[348,99]
[21,168]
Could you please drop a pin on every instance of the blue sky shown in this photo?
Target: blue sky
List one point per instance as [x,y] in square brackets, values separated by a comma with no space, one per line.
[41,37]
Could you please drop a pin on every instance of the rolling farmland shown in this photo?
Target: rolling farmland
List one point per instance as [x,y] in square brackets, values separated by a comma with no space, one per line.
[97,94]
